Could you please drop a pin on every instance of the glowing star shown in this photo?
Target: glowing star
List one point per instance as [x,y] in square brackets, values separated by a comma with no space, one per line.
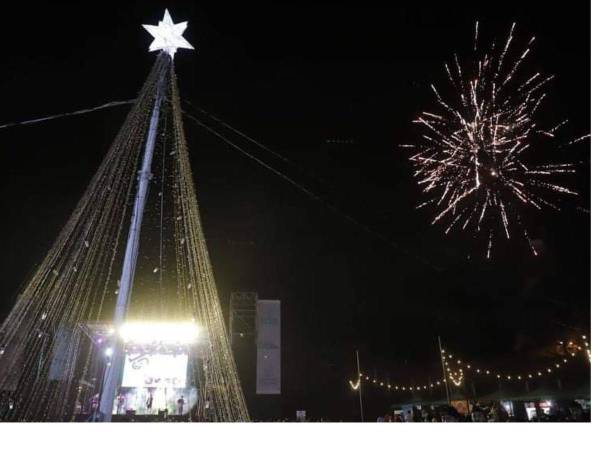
[167,35]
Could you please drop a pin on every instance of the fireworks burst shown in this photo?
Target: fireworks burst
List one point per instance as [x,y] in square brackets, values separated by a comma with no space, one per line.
[474,158]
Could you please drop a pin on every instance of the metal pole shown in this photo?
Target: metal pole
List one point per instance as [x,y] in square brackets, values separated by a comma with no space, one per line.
[444,370]
[114,371]
[473,390]
[362,417]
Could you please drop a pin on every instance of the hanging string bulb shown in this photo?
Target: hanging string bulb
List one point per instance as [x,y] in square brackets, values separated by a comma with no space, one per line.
[457,376]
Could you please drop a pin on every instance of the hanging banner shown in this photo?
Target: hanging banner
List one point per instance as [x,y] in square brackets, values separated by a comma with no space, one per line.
[268,347]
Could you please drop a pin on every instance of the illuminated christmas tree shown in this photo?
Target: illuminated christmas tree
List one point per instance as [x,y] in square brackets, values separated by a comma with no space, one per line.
[123,316]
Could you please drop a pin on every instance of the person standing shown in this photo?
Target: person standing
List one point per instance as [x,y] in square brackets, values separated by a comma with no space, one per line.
[94,403]
[149,401]
[95,414]
[180,403]
[120,403]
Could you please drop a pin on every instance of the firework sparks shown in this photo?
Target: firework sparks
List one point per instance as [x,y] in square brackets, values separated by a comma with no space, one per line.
[474,157]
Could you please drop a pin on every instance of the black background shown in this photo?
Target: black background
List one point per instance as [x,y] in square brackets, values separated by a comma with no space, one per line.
[295,75]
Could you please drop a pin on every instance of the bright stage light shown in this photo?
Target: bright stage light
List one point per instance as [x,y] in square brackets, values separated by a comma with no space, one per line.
[149,332]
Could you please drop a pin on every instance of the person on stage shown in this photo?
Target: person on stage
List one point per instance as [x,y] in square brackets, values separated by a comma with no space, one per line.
[149,401]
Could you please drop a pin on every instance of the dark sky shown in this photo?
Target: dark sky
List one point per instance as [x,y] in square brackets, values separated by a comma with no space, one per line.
[294,75]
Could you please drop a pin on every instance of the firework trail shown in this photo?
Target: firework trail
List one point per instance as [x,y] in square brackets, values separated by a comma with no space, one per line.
[474,156]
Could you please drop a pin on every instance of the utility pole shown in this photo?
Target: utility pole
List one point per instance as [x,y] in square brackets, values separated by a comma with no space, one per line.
[444,369]
[114,368]
[362,417]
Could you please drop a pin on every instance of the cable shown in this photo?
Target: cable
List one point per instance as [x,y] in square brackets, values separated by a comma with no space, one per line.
[72,113]
[258,144]
[308,192]
[239,133]
[299,186]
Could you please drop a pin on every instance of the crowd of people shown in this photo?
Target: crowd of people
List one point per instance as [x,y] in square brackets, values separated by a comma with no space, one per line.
[490,412]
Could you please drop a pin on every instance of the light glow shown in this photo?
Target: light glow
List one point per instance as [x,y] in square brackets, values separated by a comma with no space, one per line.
[168,36]
[165,332]
[353,385]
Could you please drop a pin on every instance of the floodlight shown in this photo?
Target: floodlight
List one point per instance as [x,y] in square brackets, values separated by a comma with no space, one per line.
[149,332]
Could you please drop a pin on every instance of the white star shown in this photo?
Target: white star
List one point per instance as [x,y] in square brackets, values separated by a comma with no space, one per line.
[167,35]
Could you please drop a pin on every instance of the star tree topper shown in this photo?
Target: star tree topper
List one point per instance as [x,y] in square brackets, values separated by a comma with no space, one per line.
[168,35]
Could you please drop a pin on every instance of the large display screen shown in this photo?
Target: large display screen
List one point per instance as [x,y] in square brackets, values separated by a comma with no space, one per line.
[155,370]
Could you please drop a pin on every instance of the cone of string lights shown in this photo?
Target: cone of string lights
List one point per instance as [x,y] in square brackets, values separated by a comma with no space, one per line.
[127,282]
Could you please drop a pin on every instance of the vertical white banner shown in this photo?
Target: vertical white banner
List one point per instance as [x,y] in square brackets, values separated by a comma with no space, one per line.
[268,347]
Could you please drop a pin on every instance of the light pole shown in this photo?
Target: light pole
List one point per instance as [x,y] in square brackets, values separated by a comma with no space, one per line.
[114,371]
[444,369]
[362,417]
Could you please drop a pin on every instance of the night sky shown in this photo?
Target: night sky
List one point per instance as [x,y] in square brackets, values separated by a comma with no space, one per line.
[295,76]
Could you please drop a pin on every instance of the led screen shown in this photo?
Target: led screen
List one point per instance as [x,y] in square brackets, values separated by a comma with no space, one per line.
[155,370]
